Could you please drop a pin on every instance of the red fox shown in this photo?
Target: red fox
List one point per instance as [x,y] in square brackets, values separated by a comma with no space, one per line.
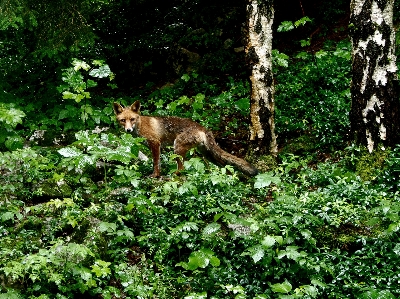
[183,133]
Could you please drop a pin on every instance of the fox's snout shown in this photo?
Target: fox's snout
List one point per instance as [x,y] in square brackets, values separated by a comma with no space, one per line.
[129,130]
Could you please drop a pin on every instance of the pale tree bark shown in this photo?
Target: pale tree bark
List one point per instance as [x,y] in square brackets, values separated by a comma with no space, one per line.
[375,110]
[260,16]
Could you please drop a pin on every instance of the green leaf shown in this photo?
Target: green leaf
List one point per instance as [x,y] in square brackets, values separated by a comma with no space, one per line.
[321,53]
[14,142]
[306,234]
[284,288]
[196,296]
[11,294]
[316,282]
[98,62]
[107,227]
[265,179]
[302,21]
[214,261]
[310,290]
[396,249]
[211,229]
[243,105]
[257,253]
[268,241]
[10,115]
[91,83]
[101,268]
[185,77]
[69,152]
[7,216]
[101,72]
[79,64]
[285,26]
[305,42]
[235,289]
[302,55]
[201,259]
[280,59]
[196,163]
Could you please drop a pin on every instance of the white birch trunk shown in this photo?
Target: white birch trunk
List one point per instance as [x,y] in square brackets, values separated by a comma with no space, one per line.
[260,16]
[375,105]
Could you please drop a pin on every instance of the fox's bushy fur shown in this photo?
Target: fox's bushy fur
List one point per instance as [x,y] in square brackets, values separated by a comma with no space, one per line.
[183,133]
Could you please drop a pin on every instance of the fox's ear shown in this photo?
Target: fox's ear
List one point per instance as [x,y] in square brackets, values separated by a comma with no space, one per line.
[135,107]
[117,108]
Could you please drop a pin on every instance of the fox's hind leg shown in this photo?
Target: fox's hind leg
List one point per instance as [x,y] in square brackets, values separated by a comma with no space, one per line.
[181,150]
[184,142]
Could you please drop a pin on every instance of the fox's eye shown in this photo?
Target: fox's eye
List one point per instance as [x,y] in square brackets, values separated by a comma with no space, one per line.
[122,120]
[132,119]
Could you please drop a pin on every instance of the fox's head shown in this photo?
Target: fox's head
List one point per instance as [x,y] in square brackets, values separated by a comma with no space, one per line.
[128,117]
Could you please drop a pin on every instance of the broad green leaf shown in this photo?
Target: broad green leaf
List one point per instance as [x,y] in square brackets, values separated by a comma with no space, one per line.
[306,234]
[285,26]
[310,290]
[243,105]
[197,259]
[102,72]
[10,115]
[79,64]
[396,249]
[318,283]
[14,142]
[283,288]
[302,55]
[69,152]
[91,83]
[211,229]
[393,227]
[11,294]
[280,59]
[321,53]
[101,268]
[279,239]
[214,261]
[201,259]
[265,179]
[237,289]
[302,21]
[7,216]
[196,296]
[256,252]
[268,241]
[305,42]
[107,226]
[185,77]
[98,62]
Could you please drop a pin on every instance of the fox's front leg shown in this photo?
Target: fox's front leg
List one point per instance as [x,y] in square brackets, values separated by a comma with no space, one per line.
[155,151]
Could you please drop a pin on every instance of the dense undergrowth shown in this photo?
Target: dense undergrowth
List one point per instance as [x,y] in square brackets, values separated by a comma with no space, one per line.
[304,230]
[80,218]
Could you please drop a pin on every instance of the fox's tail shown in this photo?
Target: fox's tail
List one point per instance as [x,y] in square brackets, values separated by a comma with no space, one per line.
[221,157]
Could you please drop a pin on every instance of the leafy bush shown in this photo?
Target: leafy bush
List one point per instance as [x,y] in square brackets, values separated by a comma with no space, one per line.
[10,117]
[313,96]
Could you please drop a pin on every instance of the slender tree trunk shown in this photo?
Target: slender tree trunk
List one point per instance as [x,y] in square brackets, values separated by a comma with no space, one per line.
[260,16]
[374,113]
